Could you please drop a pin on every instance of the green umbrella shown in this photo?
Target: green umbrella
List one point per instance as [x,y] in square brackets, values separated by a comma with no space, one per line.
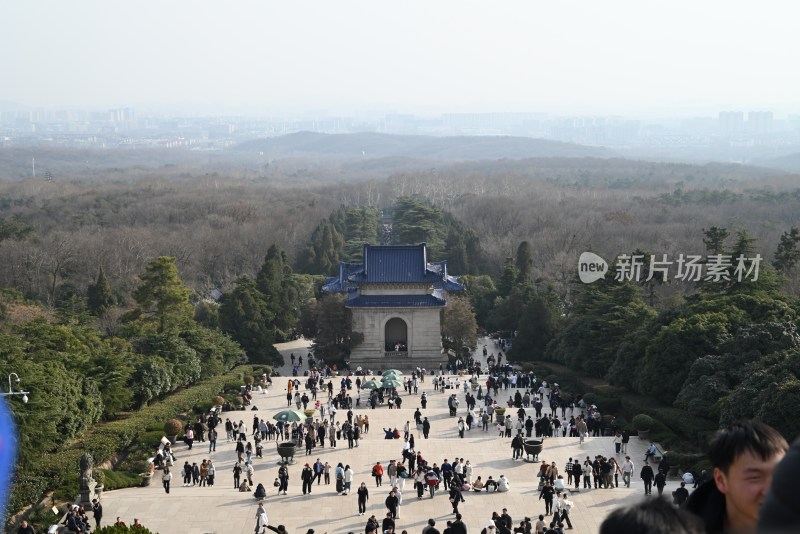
[372,384]
[392,372]
[289,415]
[391,383]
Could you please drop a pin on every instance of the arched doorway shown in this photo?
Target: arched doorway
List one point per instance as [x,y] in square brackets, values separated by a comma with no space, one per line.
[396,335]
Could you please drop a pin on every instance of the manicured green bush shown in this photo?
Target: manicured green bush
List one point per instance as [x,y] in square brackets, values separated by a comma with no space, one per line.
[122,529]
[120,479]
[173,427]
[217,400]
[643,422]
[202,407]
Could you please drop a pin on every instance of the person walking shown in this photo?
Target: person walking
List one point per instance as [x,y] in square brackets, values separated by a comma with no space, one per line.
[456,496]
[261,519]
[576,473]
[426,427]
[627,471]
[377,472]
[582,429]
[204,473]
[166,478]
[547,494]
[212,440]
[319,469]
[97,508]
[562,507]
[188,437]
[307,477]
[587,474]
[283,478]
[517,447]
[660,481]
[339,474]
[392,472]
[461,427]
[624,442]
[195,474]
[237,473]
[348,478]
[647,475]
[187,474]
[212,471]
[391,504]
[363,497]
[432,480]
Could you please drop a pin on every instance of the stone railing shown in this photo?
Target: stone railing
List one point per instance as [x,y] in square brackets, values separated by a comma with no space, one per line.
[396,354]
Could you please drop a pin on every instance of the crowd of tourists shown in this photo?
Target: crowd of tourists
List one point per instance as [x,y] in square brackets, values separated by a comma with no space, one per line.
[533,409]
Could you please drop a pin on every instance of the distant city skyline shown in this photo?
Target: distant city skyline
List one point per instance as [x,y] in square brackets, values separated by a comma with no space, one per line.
[356,57]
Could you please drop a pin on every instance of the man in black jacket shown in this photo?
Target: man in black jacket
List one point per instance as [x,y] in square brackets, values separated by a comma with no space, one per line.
[458,526]
[388,523]
[307,477]
[507,519]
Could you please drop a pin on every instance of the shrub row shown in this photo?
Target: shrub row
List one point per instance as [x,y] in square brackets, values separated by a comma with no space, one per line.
[60,470]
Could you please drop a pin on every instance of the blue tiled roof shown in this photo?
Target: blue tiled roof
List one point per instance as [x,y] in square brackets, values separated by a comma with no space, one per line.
[395,264]
[392,264]
[396,301]
[341,283]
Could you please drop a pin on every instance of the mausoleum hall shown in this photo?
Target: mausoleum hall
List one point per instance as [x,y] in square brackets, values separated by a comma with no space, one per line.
[396,296]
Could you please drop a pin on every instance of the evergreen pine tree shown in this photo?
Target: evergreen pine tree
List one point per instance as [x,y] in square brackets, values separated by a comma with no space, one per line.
[99,297]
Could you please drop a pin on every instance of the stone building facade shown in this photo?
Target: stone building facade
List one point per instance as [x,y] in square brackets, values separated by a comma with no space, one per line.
[396,297]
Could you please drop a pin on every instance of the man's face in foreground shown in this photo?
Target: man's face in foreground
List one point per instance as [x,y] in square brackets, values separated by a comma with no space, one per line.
[745,485]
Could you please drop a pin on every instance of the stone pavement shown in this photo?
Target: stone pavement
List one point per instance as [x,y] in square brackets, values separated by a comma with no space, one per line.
[221,509]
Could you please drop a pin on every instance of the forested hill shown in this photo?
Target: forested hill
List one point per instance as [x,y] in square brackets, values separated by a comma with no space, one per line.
[375,145]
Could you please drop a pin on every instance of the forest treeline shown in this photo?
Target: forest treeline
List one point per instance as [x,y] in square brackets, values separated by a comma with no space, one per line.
[721,349]
[219,226]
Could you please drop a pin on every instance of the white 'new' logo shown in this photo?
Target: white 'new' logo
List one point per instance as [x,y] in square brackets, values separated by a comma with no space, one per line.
[591,267]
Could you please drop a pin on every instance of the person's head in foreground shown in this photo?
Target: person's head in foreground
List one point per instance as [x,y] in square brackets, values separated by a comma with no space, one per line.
[744,457]
[653,516]
[780,511]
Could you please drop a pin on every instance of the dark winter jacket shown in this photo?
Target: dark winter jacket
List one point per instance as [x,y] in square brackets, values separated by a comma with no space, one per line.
[709,504]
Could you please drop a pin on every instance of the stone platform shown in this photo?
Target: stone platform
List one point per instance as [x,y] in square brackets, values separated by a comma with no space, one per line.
[223,510]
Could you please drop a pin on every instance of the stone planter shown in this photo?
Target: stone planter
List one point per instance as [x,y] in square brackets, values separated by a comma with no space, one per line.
[286,451]
[643,434]
[146,478]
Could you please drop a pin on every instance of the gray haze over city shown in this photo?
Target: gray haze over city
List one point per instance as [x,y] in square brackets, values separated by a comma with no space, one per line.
[645,77]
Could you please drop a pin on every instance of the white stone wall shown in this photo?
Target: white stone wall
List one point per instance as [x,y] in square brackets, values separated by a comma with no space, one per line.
[424,333]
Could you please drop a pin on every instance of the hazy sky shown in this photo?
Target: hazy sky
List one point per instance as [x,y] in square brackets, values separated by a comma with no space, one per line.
[635,57]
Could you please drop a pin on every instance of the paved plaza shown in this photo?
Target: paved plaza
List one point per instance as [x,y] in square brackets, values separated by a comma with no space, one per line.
[221,509]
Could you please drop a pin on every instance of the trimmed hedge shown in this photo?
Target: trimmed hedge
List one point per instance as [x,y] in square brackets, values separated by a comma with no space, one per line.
[120,479]
[120,529]
[60,470]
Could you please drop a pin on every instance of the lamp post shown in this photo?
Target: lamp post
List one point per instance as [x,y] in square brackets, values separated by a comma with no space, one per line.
[11,389]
